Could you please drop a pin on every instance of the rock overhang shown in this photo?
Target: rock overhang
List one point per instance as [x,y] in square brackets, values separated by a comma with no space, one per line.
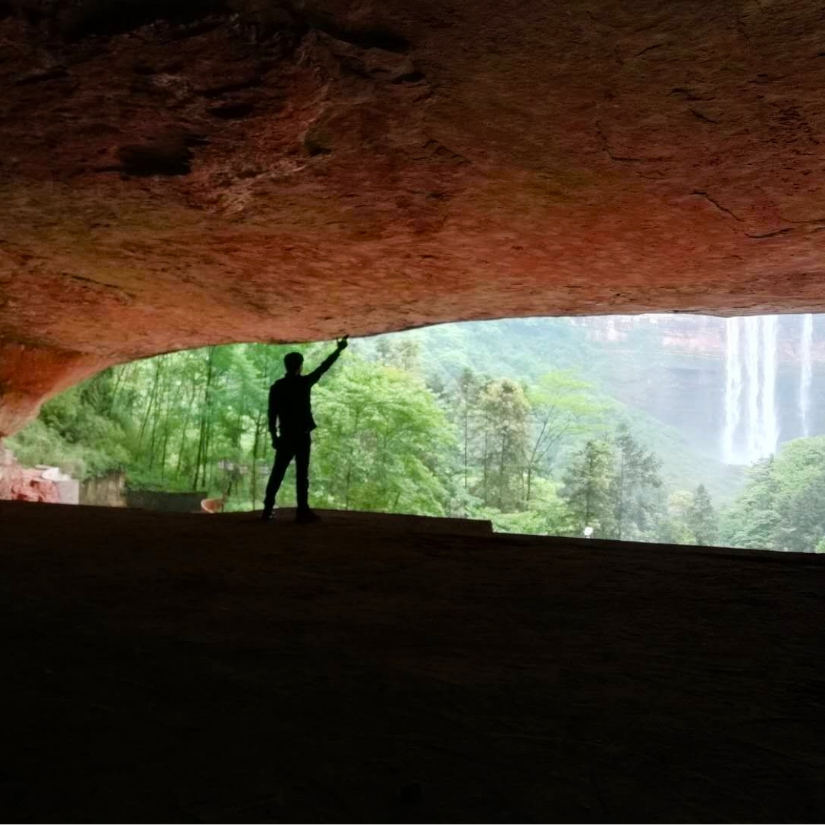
[183,173]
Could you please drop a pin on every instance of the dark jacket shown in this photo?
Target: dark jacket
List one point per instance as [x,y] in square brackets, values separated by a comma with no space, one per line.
[290,405]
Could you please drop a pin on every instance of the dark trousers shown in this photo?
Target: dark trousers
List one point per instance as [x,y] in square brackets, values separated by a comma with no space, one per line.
[289,447]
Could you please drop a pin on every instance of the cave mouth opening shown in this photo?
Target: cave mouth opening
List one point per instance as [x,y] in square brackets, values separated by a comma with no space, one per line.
[676,429]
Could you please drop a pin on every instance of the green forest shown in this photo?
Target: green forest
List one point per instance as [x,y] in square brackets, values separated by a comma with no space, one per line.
[409,425]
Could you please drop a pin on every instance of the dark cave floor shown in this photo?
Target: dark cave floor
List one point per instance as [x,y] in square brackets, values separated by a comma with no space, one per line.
[213,668]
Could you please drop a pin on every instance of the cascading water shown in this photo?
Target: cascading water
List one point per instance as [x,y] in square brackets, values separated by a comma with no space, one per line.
[733,389]
[770,425]
[752,372]
[751,428]
[806,373]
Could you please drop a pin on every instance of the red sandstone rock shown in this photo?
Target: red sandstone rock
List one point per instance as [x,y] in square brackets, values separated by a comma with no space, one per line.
[265,173]
[11,474]
[19,483]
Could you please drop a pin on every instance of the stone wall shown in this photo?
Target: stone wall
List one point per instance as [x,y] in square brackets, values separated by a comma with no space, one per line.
[106,491]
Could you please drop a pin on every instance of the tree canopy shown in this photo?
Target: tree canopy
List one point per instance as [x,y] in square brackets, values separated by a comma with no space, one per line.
[549,455]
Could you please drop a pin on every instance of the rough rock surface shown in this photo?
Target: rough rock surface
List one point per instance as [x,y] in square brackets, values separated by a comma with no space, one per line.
[194,668]
[11,474]
[179,173]
[18,483]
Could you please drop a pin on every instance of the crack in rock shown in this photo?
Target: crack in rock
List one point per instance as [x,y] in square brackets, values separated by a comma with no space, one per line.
[101,285]
[707,197]
[687,94]
[649,49]
[700,116]
[620,158]
[806,222]
[771,234]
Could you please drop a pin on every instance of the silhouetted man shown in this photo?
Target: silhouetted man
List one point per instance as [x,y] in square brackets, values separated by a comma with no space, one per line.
[290,411]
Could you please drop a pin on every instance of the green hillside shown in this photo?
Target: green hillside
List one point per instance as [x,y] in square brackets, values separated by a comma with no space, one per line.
[525,349]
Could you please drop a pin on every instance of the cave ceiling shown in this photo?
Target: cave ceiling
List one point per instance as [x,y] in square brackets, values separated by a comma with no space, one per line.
[187,172]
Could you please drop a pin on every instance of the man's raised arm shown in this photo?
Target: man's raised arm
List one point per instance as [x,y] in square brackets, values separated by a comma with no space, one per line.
[316,374]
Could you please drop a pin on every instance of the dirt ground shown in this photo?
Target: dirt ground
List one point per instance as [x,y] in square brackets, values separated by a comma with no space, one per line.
[218,669]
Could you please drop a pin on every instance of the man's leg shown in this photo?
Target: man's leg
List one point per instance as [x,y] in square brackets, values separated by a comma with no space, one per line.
[283,455]
[302,450]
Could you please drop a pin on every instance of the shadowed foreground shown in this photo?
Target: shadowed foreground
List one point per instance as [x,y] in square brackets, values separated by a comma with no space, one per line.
[197,668]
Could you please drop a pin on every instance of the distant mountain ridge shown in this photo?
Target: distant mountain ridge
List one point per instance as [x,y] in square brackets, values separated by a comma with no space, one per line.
[700,334]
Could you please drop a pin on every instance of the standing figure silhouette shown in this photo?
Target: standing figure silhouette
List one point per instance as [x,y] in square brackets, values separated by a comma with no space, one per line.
[290,424]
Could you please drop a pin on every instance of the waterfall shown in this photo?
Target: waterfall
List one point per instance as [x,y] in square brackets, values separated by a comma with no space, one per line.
[770,426]
[751,429]
[733,389]
[752,370]
[806,374]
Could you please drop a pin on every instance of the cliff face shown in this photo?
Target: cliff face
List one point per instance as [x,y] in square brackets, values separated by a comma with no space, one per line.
[701,335]
[183,173]
[676,368]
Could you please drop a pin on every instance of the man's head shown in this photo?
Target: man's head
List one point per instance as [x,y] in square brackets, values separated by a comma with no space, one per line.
[293,361]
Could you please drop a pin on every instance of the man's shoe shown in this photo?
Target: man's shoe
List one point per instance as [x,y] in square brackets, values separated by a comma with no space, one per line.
[306,516]
[266,516]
